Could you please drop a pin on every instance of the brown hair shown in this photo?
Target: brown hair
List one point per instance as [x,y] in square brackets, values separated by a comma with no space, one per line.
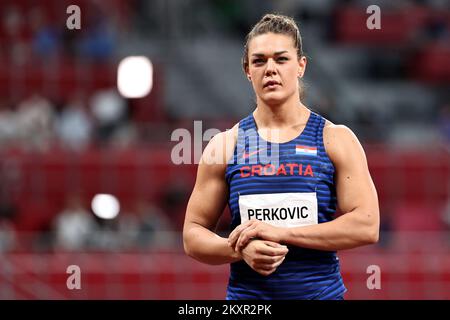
[274,23]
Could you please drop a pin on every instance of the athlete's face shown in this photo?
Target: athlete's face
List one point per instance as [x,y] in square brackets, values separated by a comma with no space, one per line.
[274,67]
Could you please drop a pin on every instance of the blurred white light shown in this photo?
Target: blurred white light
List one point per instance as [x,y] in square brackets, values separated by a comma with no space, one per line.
[135,77]
[105,206]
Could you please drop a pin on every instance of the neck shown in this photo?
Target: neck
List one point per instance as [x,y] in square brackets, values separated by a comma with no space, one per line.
[288,113]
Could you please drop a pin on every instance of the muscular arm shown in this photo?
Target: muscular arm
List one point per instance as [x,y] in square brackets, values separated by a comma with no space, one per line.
[357,199]
[206,204]
[356,195]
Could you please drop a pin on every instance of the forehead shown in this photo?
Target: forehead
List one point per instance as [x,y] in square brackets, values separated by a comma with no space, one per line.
[269,43]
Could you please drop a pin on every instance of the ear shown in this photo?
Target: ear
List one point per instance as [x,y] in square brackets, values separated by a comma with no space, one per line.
[302,66]
[249,77]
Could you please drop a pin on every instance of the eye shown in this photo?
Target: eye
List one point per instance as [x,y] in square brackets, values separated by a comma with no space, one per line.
[258,61]
[282,59]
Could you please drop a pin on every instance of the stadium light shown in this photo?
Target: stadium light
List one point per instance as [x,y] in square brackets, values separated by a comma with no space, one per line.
[135,77]
[105,206]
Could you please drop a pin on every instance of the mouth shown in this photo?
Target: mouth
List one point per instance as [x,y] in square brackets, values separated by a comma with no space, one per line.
[271,84]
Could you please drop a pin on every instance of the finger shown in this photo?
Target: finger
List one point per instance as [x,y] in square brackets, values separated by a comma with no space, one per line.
[273,251]
[269,266]
[245,237]
[277,264]
[241,235]
[274,244]
[270,245]
[269,260]
[264,267]
[265,272]
[232,238]
[234,235]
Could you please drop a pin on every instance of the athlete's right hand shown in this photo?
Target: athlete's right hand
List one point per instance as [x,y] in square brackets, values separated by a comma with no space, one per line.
[264,256]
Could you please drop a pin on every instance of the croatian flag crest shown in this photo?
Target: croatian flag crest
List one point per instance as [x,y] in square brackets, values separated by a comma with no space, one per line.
[305,150]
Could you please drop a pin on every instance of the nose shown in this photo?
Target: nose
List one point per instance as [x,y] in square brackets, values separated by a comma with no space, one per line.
[271,67]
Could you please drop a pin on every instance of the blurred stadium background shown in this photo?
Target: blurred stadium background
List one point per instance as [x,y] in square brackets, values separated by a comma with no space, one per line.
[67,134]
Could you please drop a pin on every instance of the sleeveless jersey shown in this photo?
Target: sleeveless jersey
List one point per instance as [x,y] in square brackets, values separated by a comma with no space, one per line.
[288,185]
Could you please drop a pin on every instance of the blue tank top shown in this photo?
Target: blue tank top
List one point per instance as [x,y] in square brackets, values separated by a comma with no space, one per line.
[286,184]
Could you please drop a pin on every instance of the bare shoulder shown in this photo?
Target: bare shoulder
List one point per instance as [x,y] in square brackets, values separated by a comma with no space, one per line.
[340,142]
[221,147]
[333,131]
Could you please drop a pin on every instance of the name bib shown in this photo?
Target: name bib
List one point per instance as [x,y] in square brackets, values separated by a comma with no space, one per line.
[286,210]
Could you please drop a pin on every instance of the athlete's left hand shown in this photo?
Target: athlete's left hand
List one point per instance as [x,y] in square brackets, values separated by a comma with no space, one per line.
[243,233]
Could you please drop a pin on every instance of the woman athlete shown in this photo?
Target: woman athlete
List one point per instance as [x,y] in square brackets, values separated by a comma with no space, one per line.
[284,170]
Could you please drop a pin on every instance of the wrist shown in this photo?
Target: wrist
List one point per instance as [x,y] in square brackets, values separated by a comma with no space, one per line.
[284,235]
[236,255]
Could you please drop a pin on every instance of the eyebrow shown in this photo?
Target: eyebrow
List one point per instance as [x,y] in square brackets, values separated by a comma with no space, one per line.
[275,54]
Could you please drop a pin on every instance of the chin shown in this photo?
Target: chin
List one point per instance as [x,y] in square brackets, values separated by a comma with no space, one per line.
[274,98]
